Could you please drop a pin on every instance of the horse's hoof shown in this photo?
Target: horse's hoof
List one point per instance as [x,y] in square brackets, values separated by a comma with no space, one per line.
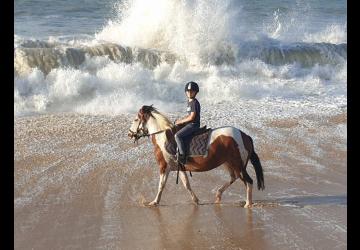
[196,201]
[152,204]
[248,205]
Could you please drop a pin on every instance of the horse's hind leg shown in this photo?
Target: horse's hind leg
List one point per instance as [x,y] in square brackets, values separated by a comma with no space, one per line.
[241,172]
[185,181]
[248,182]
[226,185]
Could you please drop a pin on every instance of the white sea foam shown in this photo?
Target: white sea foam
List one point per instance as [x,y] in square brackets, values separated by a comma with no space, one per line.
[101,86]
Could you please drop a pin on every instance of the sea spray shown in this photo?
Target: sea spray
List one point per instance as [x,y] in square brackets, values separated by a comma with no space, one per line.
[194,29]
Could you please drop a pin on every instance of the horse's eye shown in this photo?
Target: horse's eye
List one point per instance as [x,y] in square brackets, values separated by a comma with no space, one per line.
[136,119]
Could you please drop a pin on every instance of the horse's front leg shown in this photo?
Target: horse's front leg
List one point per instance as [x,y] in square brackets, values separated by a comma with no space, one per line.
[185,181]
[162,182]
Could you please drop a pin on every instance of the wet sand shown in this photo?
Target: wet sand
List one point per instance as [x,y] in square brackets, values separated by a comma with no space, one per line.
[80,183]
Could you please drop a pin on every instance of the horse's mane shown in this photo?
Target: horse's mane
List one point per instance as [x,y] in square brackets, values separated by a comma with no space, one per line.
[162,121]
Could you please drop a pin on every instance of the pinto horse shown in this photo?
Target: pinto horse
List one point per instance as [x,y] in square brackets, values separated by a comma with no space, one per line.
[228,146]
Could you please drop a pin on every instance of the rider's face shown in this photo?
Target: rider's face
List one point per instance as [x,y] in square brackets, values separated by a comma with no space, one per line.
[190,93]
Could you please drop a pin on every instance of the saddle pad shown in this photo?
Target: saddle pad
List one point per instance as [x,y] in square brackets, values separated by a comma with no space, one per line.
[197,146]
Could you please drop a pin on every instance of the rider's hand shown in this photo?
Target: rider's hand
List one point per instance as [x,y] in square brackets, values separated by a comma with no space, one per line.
[177,122]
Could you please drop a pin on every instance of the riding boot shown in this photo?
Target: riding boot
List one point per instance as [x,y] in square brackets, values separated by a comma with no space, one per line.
[181,158]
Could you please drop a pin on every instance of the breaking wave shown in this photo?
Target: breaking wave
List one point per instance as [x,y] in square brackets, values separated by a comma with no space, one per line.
[47,56]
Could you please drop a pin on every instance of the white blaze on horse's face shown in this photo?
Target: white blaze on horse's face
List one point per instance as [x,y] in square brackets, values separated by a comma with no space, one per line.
[135,126]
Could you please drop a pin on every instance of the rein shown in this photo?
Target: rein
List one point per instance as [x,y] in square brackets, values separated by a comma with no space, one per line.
[158,132]
[145,133]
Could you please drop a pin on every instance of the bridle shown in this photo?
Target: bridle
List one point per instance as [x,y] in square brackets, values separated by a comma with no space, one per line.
[140,132]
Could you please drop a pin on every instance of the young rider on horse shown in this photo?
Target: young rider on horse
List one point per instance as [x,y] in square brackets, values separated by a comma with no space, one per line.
[192,121]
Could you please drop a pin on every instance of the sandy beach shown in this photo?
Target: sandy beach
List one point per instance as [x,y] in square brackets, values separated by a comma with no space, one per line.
[80,183]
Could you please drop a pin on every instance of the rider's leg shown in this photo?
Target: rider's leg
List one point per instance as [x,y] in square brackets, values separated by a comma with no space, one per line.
[181,135]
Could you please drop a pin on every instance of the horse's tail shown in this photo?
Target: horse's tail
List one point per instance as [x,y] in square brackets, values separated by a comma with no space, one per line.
[255,161]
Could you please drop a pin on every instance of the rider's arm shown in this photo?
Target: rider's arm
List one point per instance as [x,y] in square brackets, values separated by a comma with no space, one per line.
[188,118]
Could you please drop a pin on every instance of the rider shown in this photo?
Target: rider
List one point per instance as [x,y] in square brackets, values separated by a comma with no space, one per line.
[192,121]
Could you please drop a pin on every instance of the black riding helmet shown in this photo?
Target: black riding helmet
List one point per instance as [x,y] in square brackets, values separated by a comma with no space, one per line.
[192,86]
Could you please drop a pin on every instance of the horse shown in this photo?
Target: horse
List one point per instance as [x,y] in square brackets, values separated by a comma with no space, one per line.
[228,146]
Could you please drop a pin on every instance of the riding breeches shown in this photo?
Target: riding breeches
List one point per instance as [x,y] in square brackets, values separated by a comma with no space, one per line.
[181,135]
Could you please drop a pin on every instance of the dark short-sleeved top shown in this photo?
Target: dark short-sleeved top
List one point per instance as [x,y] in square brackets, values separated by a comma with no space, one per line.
[194,106]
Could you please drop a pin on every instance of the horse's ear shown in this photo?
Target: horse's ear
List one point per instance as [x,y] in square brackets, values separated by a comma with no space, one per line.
[151,105]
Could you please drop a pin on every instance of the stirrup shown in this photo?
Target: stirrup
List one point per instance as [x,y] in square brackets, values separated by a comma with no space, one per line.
[183,159]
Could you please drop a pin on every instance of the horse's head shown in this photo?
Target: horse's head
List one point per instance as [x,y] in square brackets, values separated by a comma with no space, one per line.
[138,127]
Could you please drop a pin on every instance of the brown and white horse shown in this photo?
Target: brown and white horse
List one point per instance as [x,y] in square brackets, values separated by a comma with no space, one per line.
[228,146]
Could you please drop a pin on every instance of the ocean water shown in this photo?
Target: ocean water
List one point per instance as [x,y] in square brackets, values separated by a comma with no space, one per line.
[111,57]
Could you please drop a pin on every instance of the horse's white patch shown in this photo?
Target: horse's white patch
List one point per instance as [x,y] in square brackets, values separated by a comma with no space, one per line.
[160,138]
[234,133]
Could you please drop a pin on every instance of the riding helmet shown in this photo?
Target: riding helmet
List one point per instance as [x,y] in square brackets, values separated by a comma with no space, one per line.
[192,86]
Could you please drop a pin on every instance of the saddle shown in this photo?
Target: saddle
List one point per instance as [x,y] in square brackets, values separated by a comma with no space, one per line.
[195,145]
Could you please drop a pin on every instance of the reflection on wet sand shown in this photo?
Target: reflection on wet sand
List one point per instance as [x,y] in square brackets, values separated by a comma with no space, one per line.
[189,226]
[177,230]
[186,226]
